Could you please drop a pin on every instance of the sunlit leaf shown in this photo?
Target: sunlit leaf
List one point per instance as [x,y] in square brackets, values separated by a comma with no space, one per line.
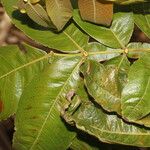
[136,49]
[14,76]
[135,95]
[117,36]
[100,52]
[38,123]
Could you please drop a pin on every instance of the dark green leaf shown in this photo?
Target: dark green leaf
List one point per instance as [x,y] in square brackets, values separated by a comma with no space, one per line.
[142,17]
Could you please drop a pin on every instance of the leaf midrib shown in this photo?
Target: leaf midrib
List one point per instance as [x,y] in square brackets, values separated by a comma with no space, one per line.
[37,13]
[74,42]
[116,37]
[145,91]
[53,105]
[121,133]
[70,55]
[94,10]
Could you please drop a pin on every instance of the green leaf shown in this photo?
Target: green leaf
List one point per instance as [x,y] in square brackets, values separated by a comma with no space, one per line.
[106,127]
[38,14]
[38,123]
[142,17]
[13,79]
[117,36]
[105,82]
[135,95]
[69,40]
[78,144]
[60,12]
[103,52]
[137,49]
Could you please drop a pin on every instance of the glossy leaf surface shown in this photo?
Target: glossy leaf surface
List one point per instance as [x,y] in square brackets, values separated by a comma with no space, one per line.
[41,104]
[117,36]
[100,52]
[105,82]
[135,95]
[108,128]
[142,17]
[136,49]
[15,74]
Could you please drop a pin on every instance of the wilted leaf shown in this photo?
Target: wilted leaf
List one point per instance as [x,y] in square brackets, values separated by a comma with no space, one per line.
[108,128]
[96,11]
[105,82]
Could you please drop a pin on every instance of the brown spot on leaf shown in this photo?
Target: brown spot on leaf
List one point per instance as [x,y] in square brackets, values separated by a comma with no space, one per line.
[1,106]
[70,94]
[28,107]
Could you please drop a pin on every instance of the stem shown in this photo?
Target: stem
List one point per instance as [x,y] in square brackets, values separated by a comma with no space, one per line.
[72,55]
